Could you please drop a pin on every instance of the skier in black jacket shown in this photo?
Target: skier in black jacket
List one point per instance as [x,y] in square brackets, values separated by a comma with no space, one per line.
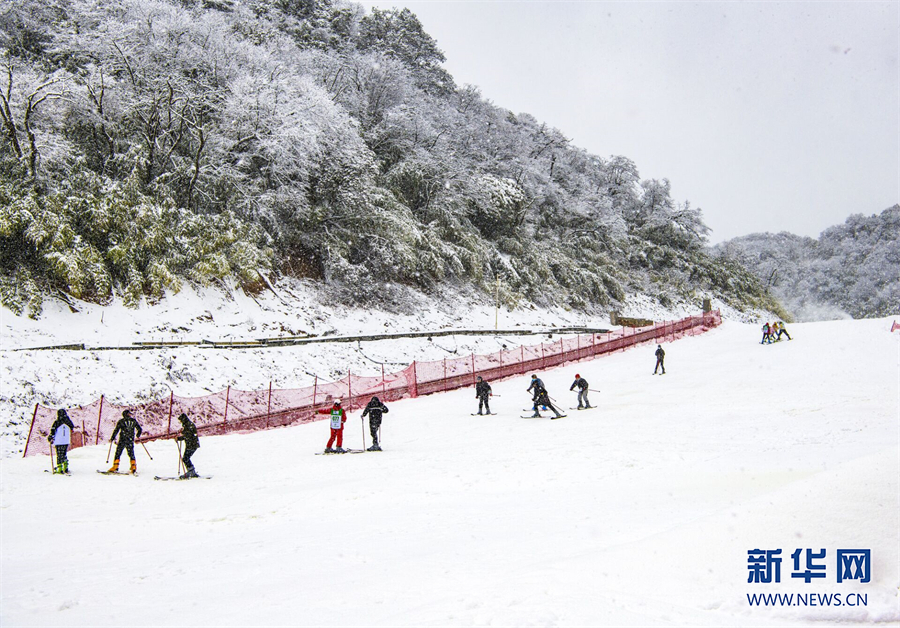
[582,391]
[127,430]
[60,437]
[536,385]
[191,444]
[660,357]
[483,393]
[542,398]
[374,409]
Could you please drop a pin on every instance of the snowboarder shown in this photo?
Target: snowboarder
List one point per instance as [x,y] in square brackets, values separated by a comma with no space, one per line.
[582,391]
[542,398]
[338,418]
[128,430]
[483,393]
[60,437]
[191,444]
[374,409]
[660,358]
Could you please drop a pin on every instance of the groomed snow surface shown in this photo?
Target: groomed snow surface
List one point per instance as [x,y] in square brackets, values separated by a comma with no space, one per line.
[641,512]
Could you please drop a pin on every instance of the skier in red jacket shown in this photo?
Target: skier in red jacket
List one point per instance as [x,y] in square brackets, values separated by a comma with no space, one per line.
[338,418]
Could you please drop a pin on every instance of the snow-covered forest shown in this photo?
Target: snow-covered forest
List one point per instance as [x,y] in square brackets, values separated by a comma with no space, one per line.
[852,269]
[148,143]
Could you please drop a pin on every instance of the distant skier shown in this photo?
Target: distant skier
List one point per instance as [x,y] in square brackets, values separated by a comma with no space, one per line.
[542,398]
[61,436]
[767,334]
[338,418]
[781,330]
[660,359]
[582,385]
[127,430]
[374,409]
[483,394]
[191,444]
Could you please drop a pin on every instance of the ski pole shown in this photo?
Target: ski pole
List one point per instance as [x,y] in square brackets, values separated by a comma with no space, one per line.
[362,422]
[109,451]
[145,449]
[52,466]
[180,461]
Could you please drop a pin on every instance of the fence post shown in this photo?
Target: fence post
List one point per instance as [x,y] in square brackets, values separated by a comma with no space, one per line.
[444,383]
[28,440]
[99,417]
[414,388]
[227,397]
[473,367]
[383,393]
[171,402]
[522,359]
[315,385]
[349,392]
[269,406]
[542,356]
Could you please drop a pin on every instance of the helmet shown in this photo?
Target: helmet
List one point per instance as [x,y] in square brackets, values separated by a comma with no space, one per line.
[534,377]
[337,402]
[577,376]
[182,417]
[479,378]
[61,413]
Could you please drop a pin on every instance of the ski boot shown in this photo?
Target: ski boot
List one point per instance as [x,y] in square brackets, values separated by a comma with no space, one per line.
[329,450]
[133,467]
[340,450]
[115,467]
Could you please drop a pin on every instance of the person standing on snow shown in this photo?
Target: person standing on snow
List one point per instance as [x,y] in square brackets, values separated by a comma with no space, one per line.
[60,437]
[767,334]
[536,385]
[483,393]
[582,391]
[542,398]
[127,430]
[660,358]
[338,418]
[374,409]
[191,444]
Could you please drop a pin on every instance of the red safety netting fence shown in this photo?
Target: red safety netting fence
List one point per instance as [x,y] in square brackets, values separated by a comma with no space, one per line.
[234,410]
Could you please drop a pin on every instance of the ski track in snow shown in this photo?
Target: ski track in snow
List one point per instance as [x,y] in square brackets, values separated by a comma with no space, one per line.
[638,513]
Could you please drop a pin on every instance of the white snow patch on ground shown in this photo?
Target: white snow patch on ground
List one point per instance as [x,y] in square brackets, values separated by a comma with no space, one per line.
[638,513]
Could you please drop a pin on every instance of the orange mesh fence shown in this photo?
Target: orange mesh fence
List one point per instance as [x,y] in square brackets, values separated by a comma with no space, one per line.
[234,410]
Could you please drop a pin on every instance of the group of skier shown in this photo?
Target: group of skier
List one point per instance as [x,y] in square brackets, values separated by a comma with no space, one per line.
[773,332]
[374,410]
[128,430]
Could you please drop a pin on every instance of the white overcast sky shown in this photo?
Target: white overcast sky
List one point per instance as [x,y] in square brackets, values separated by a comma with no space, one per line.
[769,116]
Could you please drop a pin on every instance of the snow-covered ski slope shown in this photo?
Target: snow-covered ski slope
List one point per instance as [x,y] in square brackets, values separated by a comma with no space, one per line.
[639,513]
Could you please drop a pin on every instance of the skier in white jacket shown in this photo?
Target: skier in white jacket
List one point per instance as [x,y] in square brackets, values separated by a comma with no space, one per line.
[60,437]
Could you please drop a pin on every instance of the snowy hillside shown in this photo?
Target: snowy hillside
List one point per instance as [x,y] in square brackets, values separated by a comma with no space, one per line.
[641,512]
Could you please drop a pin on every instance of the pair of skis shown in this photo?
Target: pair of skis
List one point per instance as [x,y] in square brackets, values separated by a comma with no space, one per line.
[157,477]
